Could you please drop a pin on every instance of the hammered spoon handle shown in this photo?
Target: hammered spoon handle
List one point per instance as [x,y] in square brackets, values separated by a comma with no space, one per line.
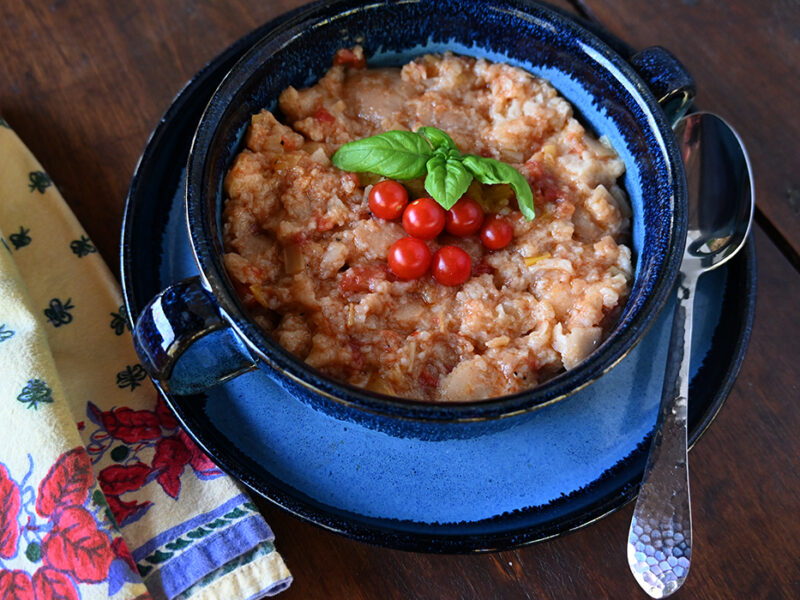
[660,536]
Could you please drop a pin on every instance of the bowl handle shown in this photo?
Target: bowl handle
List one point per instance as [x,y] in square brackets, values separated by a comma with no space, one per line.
[667,78]
[185,344]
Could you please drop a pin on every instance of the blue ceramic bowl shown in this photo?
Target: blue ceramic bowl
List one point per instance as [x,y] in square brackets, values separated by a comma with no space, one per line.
[197,333]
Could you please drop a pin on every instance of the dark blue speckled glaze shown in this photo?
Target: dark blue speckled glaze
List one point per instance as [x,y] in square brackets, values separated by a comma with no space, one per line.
[667,78]
[551,471]
[607,93]
[184,343]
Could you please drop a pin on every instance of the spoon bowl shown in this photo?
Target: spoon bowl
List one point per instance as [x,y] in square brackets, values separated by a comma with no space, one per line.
[721,206]
[718,177]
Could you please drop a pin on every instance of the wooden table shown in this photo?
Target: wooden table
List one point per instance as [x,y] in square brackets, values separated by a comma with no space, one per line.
[83,82]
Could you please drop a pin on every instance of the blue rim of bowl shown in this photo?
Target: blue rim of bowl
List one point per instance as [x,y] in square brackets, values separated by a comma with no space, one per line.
[619,486]
[611,351]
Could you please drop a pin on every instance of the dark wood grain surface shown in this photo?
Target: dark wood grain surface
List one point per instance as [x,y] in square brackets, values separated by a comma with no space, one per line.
[745,57]
[83,82]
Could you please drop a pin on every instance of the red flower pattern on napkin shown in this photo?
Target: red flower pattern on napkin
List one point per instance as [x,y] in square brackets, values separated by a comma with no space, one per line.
[126,511]
[170,459]
[118,479]
[132,426]
[16,585]
[9,512]
[49,584]
[201,464]
[76,542]
[67,483]
[77,546]
[141,431]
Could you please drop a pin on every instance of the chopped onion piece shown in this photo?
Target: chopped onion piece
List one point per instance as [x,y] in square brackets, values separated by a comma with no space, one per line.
[532,260]
[293,259]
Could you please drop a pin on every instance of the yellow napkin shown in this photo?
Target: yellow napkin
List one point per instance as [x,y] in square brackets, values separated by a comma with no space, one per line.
[74,396]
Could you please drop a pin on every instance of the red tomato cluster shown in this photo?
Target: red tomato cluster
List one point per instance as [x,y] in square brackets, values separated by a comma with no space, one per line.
[424,219]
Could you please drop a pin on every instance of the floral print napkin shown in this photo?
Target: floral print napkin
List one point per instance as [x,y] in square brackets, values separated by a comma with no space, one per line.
[102,494]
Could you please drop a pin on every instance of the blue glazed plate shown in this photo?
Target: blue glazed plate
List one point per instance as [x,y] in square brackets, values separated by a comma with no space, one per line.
[556,469]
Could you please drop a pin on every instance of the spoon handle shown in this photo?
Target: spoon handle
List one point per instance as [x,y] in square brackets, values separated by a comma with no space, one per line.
[660,537]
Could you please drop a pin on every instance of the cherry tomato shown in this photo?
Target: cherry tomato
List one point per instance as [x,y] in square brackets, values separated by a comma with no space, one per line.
[388,199]
[409,258]
[424,219]
[451,265]
[496,232]
[465,218]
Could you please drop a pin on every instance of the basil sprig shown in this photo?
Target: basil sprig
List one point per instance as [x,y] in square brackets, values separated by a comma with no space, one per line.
[431,152]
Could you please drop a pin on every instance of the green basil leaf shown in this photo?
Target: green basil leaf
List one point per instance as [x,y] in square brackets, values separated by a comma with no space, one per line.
[438,138]
[395,154]
[447,180]
[450,153]
[491,171]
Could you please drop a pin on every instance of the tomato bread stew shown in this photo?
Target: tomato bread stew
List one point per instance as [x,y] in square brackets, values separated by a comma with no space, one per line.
[444,286]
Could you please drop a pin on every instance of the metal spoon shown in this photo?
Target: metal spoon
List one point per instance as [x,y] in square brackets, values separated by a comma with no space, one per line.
[721,204]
